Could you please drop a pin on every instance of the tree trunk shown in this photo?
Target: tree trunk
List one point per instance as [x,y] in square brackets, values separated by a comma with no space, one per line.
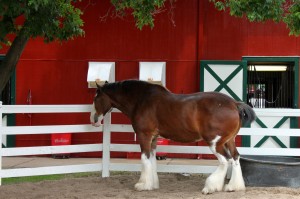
[11,59]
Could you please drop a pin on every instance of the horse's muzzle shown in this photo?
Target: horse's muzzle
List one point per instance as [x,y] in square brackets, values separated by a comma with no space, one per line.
[96,120]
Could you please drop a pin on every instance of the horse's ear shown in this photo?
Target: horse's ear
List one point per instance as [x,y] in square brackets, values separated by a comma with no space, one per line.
[98,86]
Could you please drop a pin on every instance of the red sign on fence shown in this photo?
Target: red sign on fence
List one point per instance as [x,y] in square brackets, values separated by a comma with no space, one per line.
[61,139]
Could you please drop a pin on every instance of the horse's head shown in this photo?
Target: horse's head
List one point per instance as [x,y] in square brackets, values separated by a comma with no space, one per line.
[101,105]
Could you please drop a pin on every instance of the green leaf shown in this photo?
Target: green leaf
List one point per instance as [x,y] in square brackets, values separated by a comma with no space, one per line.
[143,11]
[263,10]
[52,19]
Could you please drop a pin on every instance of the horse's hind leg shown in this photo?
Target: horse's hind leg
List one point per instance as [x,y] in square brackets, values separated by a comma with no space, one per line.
[236,182]
[215,182]
[149,178]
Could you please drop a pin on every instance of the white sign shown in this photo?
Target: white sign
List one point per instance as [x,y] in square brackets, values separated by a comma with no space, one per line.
[154,72]
[100,72]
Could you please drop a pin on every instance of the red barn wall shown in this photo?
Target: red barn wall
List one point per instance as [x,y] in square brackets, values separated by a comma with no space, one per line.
[230,38]
[56,73]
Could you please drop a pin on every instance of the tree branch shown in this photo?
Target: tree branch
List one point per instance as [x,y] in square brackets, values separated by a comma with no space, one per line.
[12,57]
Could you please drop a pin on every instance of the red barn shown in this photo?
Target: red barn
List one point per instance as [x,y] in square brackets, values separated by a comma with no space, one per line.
[57,73]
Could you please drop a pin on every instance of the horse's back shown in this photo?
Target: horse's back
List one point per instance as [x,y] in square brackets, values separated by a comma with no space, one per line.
[188,117]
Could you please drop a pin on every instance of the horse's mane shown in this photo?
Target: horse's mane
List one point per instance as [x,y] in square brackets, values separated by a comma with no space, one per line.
[131,92]
[129,86]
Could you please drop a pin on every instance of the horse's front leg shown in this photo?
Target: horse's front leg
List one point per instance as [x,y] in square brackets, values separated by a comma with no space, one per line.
[149,178]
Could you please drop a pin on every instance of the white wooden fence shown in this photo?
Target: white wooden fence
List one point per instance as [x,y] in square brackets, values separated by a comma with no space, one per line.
[106,147]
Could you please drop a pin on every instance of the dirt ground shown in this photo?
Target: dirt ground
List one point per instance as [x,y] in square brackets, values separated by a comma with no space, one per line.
[172,186]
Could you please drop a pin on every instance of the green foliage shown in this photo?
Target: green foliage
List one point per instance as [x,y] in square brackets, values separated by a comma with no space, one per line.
[287,11]
[292,19]
[50,19]
[142,10]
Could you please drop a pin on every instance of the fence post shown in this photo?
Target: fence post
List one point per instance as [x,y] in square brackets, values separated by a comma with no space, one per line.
[106,145]
[1,142]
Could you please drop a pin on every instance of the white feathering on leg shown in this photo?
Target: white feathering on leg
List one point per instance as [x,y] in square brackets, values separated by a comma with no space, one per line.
[215,182]
[146,179]
[236,182]
[154,167]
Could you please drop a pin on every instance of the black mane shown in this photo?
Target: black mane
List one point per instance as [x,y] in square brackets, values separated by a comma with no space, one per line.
[129,86]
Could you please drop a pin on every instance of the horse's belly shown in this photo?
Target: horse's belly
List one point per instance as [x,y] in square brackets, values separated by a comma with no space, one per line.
[180,135]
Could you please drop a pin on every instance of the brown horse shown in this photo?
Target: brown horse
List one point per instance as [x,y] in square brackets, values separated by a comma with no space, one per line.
[153,110]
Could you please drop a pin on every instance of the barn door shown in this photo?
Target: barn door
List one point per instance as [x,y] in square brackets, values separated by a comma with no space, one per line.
[228,77]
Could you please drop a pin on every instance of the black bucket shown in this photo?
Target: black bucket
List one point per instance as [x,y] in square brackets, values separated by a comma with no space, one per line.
[271,171]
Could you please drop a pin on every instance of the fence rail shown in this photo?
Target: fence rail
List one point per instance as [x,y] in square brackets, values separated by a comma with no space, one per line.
[106,147]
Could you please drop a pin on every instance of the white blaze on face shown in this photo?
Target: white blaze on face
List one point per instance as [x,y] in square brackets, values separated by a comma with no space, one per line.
[95,121]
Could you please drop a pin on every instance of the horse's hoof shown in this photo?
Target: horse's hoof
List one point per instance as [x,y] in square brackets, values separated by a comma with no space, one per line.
[206,190]
[212,186]
[212,189]
[231,188]
[228,188]
[140,186]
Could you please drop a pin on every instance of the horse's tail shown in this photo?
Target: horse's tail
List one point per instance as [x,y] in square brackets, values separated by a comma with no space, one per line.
[247,114]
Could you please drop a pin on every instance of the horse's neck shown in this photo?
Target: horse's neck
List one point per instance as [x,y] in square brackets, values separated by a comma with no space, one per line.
[126,97]
[124,102]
